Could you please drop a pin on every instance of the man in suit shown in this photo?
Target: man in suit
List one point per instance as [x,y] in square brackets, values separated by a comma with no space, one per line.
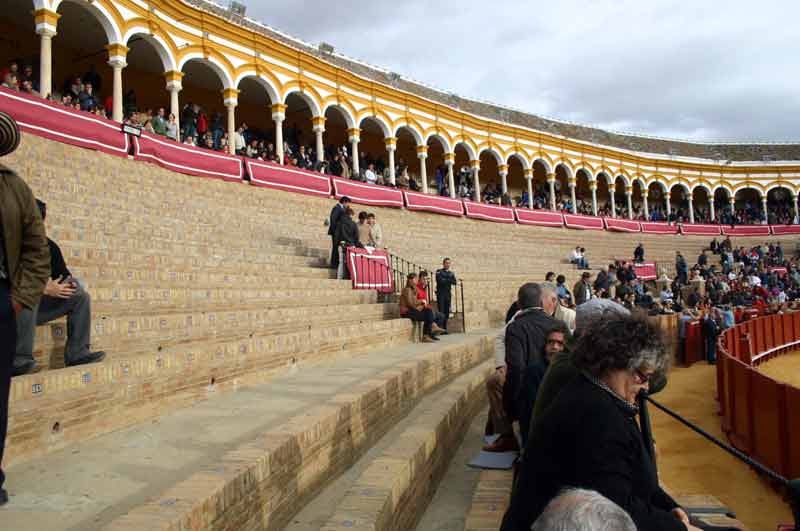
[24,266]
[336,213]
[445,282]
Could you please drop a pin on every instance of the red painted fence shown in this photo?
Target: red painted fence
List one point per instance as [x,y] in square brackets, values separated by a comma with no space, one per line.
[760,415]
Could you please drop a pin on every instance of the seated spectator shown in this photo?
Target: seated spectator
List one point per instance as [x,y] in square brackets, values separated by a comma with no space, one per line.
[27,87]
[63,295]
[550,276]
[415,310]
[589,436]
[375,232]
[666,294]
[10,81]
[439,320]
[363,229]
[564,295]
[370,175]
[583,510]
[87,98]
[576,257]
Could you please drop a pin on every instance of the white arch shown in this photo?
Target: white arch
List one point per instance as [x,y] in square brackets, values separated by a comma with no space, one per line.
[625,180]
[310,100]
[567,169]
[727,190]
[212,63]
[661,184]
[385,129]
[414,133]
[522,160]
[642,183]
[779,185]
[157,42]
[547,169]
[586,171]
[703,186]
[442,140]
[344,111]
[686,189]
[492,152]
[101,14]
[470,152]
[261,79]
[748,187]
[606,177]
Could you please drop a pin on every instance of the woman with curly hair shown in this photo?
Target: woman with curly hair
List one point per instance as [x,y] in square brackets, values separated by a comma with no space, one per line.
[589,437]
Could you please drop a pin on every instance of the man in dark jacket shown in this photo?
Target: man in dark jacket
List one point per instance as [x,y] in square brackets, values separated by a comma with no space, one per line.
[333,222]
[445,282]
[346,233]
[24,266]
[638,253]
[582,290]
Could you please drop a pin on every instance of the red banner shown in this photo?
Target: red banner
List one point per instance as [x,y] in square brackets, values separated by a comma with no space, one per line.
[271,175]
[697,229]
[652,227]
[746,230]
[54,121]
[622,225]
[368,194]
[495,213]
[645,270]
[370,269]
[434,203]
[574,221]
[543,218]
[779,230]
[190,160]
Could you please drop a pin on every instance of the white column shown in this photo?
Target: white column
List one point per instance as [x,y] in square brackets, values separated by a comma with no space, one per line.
[529,182]
[612,196]
[667,204]
[551,182]
[645,206]
[796,211]
[765,218]
[174,89]
[712,213]
[117,64]
[354,138]
[45,60]
[319,130]
[733,206]
[572,197]
[691,208]
[594,197]
[277,117]
[231,106]
[629,199]
[423,169]
[503,181]
[390,148]
[476,179]
[451,180]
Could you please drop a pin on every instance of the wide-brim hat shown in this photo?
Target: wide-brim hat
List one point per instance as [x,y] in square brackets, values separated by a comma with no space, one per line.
[9,134]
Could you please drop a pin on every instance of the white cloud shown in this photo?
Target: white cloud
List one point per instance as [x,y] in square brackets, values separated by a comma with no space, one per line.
[708,70]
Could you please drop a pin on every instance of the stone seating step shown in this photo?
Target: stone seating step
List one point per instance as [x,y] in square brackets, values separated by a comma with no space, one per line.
[179,274]
[54,409]
[236,460]
[390,485]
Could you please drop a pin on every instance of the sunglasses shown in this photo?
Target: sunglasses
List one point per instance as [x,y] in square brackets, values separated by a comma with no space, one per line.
[641,378]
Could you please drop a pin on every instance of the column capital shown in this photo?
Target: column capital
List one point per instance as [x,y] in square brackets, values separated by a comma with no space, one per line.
[629,190]
[551,177]
[501,168]
[278,111]
[475,164]
[173,76]
[667,195]
[230,97]
[318,123]
[593,185]
[449,158]
[354,135]
[528,172]
[46,21]
[571,182]
[117,53]
[422,151]
[390,142]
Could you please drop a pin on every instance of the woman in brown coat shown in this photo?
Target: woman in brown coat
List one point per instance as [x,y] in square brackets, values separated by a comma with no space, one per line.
[415,309]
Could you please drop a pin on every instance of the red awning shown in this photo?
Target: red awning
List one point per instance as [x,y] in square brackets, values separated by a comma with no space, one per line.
[574,221]
[189,160]
[543,218]
[652,227]
[697,229]
[494,213]
[746,230]
[622,225]
[434,203]
[779,230]
[271,175]
[54,121]
[368,194]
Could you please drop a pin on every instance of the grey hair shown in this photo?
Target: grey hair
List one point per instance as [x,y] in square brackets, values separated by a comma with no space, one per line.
[547,286]
[583,510]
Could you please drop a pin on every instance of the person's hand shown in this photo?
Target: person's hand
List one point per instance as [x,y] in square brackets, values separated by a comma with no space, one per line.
[17,307]
[59,289]
[501,371]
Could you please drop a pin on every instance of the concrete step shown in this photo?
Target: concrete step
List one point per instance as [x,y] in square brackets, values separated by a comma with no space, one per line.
[236,460]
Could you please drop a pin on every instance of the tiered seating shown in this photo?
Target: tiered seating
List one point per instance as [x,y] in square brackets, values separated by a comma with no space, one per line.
[201,286]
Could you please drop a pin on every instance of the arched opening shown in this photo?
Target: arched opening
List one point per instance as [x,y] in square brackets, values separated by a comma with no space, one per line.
[20,44]
[436,168]
[780,210]
[202,108]
[541,190]
[680,203]
[657,202]
[583,192]
[604,187]
[563,194]
[517,185]
[722,206]
[409,165]
[298,132]
[336,139]
[638,200]
[143,78]
[700,200]
[465,183]
[620,198]
[747,210]
[491,191]
[373,148]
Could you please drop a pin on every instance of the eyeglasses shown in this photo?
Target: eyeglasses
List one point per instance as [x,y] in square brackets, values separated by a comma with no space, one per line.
[641,378]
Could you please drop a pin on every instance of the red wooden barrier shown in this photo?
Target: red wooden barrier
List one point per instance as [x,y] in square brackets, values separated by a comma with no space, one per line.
[768,425]
[694,350]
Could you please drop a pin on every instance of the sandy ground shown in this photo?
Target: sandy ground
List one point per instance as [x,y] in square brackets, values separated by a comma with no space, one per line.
[784,368]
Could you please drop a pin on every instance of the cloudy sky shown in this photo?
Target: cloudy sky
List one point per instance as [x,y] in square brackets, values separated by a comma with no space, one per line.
[701,70]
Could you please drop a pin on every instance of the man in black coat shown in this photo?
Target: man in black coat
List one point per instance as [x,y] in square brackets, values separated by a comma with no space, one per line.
[346,232]
[445,281]
[333,222]
[638,253]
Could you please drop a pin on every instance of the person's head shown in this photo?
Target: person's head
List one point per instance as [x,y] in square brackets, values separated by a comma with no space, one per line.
[446,264]
[549,297]
[88,88]
[423,278]
[583,510]
[411,280]
[583,249]
[371,218]
[560,279]
[362,217]
[585,276]
[624,352]
[556,340]
[344,201]
[550,276]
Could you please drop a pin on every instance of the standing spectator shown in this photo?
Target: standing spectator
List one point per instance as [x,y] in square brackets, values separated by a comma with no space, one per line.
[638,253]
[363,229]
[172,128]
[369,175]
[445,282]
[91,77]
[681,268]
[87,98]
[24,266]
[159,122]
[582,290]
[333,222]
[375,232]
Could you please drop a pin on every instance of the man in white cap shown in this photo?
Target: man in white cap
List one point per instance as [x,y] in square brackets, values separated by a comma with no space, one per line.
[24,266]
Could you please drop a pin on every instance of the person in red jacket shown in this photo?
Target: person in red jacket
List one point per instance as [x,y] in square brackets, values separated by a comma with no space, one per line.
[422,295]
